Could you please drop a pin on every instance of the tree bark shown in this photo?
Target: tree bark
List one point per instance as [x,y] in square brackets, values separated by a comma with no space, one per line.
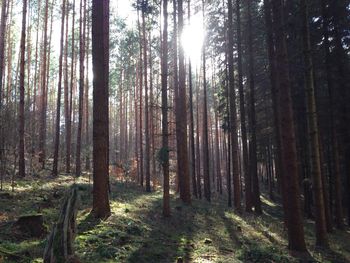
[59,91]
[233,113]
[181,126]
[165,137]
[100,67]
[81,87]
[288,144]
[21,159]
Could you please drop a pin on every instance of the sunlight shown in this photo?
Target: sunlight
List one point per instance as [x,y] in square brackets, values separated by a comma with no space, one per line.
[192,39]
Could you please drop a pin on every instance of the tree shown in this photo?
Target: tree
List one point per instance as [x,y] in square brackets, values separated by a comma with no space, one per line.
[247,177]
[321,230]
[81,85]
[290,190]
[144,6]
[43,92]
[207,190]
[165,139]
[233,111]
[59,91]
[100,67]
[253,169]
[21,93]
[181,126]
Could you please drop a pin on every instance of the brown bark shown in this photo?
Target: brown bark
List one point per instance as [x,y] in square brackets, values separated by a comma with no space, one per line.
[247,176]
[100,65]
[181,126]
[65,83]
[320,218]
[43,95]
[81,86]
[147,127]
[21,159]
[335,172]
[70,108]
[252,119]
[165,136]
[59,91]
[288,143]
[233,112]
[207,190]
[140,106]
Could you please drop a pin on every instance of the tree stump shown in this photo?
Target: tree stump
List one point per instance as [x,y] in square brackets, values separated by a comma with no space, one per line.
[32,225]
[59,246]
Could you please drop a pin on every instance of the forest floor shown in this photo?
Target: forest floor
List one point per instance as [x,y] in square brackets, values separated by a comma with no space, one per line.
[137,232]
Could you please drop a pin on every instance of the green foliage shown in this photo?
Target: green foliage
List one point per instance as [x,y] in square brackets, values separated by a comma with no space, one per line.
[255,252]
[163,155]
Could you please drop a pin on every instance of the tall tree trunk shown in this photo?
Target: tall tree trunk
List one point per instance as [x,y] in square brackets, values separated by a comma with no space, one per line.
[335,172]
[70,108]
[233,113]
[100,67]
[65,83]
[181,126]
[247,176]
[87,133]
[252,118]
[288,144]
[59,91]
[207,189]
[165,135]
[2,47]
[43,99]
[81,87]
[140,96]
[274,96]
[2,66]
[147,127]
[320,218]
[21,159]
[192,147]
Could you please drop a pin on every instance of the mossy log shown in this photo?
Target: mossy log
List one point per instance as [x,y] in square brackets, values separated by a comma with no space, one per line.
[59,246]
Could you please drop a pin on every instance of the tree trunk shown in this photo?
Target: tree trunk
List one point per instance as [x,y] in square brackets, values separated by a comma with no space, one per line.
[165,137]
[21,93]
[252,119]
[69,124]
[42,130]
[320,218]
[81,87]
[335,172]
[181,126]
[233,113]
[59,91]
[100,66]
[247,177]
[288,143]
[207,189]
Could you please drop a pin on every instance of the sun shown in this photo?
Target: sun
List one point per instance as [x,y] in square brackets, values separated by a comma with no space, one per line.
[192,39]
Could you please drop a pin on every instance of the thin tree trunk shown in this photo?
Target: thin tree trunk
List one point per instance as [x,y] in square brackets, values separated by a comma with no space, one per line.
[21,159]
[59,91]
[42,130]
[233,113]
[252,119]
[181,126]
[165,135]
[81,87]
[320,218]
[247,177]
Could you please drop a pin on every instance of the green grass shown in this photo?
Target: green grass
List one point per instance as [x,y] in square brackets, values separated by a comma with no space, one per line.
[137,232]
